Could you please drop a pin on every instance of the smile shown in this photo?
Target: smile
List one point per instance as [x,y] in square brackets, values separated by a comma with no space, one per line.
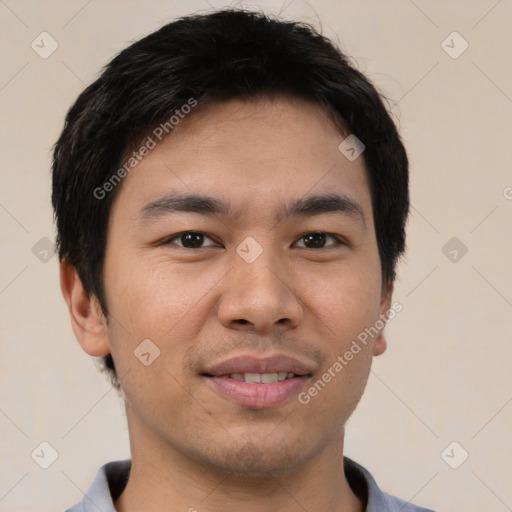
[258,381]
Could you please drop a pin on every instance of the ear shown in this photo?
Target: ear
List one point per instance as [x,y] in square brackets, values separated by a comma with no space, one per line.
[380,343]
[87,320]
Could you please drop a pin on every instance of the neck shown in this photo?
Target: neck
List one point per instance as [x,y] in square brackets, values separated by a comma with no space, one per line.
[163,479]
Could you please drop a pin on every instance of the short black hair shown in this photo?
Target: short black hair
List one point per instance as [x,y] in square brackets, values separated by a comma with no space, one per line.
[208,58]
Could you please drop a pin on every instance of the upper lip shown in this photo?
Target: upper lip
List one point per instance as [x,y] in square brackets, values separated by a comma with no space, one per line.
[255,364]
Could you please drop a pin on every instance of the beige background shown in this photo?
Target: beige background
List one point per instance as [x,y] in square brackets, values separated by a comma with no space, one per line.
[447,373]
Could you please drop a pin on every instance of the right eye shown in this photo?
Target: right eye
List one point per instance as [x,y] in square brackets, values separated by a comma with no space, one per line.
[188,240]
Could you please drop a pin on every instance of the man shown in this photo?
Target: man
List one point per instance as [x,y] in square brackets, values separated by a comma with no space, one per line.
[231,197]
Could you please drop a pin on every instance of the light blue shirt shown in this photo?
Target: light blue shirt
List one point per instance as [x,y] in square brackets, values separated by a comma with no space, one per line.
[111,479]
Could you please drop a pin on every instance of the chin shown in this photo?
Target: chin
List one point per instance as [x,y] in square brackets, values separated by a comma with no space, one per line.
[258,460]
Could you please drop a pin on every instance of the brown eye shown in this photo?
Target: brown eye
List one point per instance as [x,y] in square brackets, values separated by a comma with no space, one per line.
[317,240]
[188,240]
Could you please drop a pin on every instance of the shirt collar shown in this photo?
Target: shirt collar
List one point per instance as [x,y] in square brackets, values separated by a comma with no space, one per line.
[111,479]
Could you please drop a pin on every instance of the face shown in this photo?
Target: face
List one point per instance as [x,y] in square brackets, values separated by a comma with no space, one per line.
[243,284]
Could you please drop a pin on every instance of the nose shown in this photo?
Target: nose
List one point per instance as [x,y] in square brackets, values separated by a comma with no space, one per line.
[259,297]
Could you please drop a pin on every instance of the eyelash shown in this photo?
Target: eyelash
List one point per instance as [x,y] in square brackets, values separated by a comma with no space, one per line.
[339,241]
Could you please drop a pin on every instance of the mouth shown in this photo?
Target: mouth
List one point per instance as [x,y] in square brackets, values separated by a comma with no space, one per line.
[258,383]
[260,378]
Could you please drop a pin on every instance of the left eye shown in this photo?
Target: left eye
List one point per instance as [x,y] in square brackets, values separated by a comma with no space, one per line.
[317,239]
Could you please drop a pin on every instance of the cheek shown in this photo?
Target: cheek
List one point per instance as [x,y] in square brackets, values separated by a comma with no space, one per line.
[155,299]
[160,304]
[346,303]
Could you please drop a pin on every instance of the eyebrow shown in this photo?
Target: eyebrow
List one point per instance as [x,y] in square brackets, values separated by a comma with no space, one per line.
[308,206]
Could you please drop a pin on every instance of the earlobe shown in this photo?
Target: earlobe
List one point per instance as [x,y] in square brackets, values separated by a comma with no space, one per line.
[88,323]
[380,343]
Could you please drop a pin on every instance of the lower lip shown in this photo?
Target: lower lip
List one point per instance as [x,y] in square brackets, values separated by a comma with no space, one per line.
[258,396]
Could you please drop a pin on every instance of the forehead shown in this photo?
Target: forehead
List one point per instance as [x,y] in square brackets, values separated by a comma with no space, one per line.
[256,154]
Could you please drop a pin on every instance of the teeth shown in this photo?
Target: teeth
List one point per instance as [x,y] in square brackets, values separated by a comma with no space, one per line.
[261,378]
[255,378]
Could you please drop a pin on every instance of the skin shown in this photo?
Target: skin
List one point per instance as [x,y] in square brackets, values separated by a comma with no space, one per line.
[190,446]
